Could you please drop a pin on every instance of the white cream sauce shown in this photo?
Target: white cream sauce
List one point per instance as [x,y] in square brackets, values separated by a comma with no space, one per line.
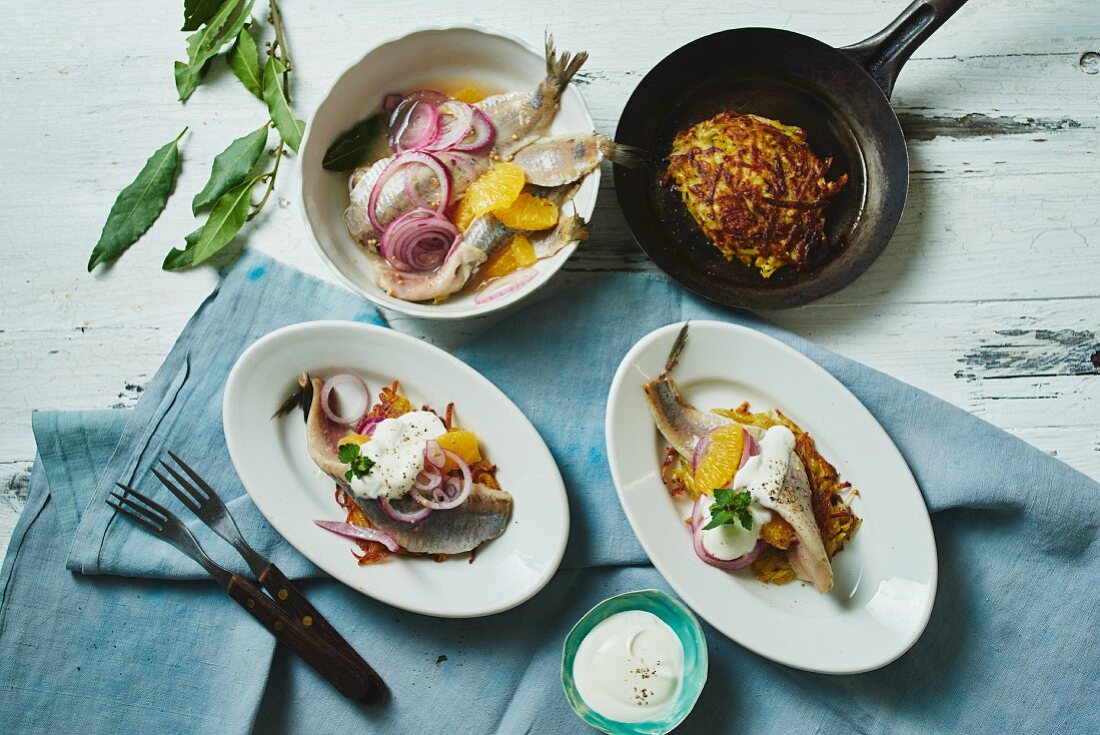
[397,449]
[629,667]
[762,476]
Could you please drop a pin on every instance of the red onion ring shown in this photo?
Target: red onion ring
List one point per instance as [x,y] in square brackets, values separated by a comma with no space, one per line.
[453,131]
[483,134]
[464,162]
[458,493]
[434,454]
[414,125]
[418,241]
[367,425]
[358,532]
[360,407]
[399,161]
[429,479]
[505,285]
[742,562]
[401,516]
[391,101]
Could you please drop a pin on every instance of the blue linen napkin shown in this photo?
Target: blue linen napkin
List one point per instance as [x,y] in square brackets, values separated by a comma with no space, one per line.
[1011,646]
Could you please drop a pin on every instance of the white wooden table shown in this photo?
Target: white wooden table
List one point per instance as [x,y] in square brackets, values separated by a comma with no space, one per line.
[988,296]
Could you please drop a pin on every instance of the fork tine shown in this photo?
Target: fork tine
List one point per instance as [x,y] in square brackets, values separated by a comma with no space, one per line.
[193,475]
[146,500]
[132,516]
[136,508]
[184,497]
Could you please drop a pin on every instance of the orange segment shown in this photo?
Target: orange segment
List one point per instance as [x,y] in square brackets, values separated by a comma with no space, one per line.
[519,253]
[497,188]
[462,442]
[354,438]
[529,213]
[720,458]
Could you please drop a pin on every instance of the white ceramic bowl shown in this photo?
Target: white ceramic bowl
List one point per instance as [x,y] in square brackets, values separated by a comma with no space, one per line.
[404,63]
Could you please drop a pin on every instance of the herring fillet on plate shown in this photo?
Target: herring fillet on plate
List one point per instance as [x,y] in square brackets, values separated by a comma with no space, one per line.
[466,181]
[415,479]
[741,472]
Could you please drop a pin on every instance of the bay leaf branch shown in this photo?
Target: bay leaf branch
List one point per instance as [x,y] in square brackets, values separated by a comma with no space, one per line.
[290,128]
[245,62]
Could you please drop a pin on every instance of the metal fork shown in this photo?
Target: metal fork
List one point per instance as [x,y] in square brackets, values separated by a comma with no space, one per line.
[345,674]
[202,500]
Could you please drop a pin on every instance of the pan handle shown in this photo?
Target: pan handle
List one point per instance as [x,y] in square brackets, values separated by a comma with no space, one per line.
[884,53]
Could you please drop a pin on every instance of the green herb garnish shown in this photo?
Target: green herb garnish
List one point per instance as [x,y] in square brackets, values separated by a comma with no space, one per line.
[728,507]
[359,465]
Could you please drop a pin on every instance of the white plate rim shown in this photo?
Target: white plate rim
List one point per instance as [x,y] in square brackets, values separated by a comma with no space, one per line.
[615,394]
[343,573]
[426,310]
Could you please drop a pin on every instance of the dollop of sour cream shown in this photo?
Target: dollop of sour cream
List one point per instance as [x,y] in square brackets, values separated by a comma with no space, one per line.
[397,449]
[629,668]
[762,476]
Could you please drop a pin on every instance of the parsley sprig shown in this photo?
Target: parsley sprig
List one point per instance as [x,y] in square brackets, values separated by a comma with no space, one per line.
[730,507]
[359,464]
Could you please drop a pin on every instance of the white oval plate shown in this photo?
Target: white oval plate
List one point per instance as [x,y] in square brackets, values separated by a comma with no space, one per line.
[405,63]
[271,459]
[885,577]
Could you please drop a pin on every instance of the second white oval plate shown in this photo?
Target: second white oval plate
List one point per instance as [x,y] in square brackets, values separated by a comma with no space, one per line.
[271,459]
[885,577]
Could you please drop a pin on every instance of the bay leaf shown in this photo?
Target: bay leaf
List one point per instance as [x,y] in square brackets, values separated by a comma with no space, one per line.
[206,42]
[226,218]
[360,145]
[289,127]
[245,63]
[197,12]
[178,259]
[231,167]
[138,205]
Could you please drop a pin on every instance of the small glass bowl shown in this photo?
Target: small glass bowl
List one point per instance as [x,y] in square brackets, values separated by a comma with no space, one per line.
[682,621]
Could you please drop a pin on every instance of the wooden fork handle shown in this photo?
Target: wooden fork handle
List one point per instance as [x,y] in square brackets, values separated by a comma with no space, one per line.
[296,604]
[353,678]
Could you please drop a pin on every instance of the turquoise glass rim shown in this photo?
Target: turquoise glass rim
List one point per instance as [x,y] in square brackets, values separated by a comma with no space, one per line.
[682,621]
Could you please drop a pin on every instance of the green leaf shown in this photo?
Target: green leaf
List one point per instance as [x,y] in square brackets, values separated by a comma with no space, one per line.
[205,43]
[362,144]
[226,219]
[290,128]
[197,12]
[138,205]
[245,62]
[231,167]
[177,259]
[348,452]
[746,519]
[722,496]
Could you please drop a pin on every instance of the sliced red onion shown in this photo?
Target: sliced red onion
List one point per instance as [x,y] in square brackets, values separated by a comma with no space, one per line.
[414,125]
[480,136]
[418,241]
[742,562]
[464,162]
[401,516]
[399,161]
[356,410]
[505,285]
[455,121]
[358,532]
[434,454]
[429,479]
[367,425]
[391,101]
[454,491]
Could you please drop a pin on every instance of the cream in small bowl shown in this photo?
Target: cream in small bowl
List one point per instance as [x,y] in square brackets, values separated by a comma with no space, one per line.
[494,61]
[635,663]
